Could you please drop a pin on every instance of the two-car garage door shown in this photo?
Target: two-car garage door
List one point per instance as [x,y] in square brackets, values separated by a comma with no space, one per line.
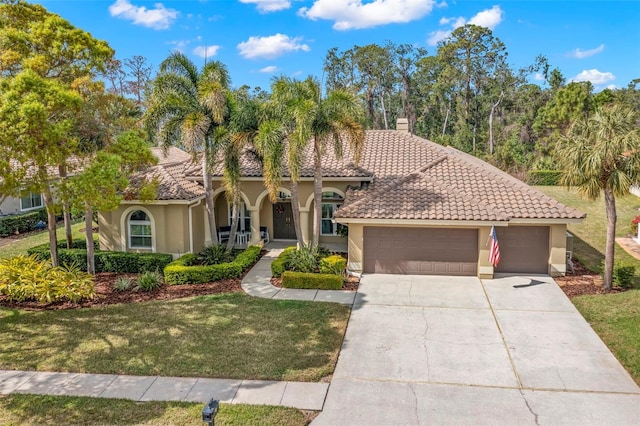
[449,251]
[420,251]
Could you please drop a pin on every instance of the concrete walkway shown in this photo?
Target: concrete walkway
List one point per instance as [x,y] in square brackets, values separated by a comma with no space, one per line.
[302,395]
[257,283]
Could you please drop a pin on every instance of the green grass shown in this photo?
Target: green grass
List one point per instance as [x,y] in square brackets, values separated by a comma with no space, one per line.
[20,246]
[58,410]
[590,235]
[224,336]
[616,319]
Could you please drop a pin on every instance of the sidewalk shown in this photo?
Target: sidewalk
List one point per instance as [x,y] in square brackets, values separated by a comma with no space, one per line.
[301,395]
[257,283]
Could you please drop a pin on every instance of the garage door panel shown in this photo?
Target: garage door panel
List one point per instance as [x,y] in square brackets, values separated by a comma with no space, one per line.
[424,251]
[523,249]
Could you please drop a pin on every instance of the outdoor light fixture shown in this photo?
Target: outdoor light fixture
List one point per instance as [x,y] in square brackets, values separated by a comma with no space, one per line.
[209,412]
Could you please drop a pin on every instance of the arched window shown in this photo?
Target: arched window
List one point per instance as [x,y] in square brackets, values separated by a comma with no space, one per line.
[140,230]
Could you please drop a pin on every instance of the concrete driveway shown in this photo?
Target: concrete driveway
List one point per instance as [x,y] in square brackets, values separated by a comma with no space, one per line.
[458,350]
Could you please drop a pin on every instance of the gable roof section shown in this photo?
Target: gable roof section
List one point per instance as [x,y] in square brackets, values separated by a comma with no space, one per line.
[172,184]
[453,186]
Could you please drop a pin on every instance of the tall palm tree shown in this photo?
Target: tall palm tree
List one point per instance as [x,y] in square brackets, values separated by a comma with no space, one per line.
[332,120]
[601,153]
[188,107]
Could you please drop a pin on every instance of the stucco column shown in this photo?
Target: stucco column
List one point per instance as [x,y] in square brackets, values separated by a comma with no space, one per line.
[558,250]
[356,245]
[254,212]
[485,268]
[304,224]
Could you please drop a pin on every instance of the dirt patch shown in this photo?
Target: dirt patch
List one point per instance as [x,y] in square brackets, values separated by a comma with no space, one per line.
[351,284]
[583,281]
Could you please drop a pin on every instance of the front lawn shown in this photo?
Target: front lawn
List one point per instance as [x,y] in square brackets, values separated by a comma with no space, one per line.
[59,410]
[616,319]
[589,244]
[20,246]
[221,336]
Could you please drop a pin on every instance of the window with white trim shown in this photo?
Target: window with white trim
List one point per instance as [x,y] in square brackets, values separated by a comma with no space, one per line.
[140,230]
[331,202]
[30,201]
[244,222]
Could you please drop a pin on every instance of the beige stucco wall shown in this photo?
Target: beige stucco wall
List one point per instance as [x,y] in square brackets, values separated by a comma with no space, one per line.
[557,250]
[169,224]
[10,205]
[485,268]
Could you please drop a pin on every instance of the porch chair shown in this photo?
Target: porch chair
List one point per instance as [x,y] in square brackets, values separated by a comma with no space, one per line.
[264,234]
[223,233]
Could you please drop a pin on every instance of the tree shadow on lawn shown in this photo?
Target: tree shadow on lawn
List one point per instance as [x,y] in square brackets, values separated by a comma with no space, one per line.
[222,336]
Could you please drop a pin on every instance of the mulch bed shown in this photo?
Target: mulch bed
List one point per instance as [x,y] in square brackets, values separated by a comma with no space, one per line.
[582,282]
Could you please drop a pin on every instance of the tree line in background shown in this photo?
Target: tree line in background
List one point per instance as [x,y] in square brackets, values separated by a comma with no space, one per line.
[69,108]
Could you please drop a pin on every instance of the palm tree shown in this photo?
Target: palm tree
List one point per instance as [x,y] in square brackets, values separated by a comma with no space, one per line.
[188,107]
[601,153]
[312,118]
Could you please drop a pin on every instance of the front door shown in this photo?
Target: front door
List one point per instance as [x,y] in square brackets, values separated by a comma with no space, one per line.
[283,228]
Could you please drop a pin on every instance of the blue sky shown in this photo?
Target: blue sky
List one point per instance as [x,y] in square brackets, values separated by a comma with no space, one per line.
[597,41]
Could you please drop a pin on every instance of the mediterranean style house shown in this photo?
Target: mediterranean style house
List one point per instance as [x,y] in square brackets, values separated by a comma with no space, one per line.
[411,207]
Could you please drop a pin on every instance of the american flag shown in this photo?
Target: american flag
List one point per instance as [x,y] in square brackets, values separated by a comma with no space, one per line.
[494,251]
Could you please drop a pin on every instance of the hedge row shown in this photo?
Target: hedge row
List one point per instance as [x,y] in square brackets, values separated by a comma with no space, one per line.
[311,281]
[279,264]
[108,261]
[334,264]
[179,271]
[544,177]
[19,223]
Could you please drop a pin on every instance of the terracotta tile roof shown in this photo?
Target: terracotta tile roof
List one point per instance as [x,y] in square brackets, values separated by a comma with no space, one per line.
[445,184]
[172,183]
[170,155]
[410,178]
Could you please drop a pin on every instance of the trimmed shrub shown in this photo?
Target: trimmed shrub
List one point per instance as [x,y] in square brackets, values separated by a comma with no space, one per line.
[20,223]
[305,259]
[623,275]
[183,270]
[279,265]
[334,264]
[149,281]
[214,255]
[311,281]
[108,261]
[544,177]
[27,278]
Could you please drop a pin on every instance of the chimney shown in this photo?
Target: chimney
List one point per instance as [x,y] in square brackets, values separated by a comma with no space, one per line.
[402,124]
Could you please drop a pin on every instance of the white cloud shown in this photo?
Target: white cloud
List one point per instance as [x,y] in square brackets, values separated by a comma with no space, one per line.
[179,45]
[271,47]
[354,14]
[158,18]
[269,70]
[581,54]
[612,87]
[266,6]
[594,76]
[538,77]
[489,18]
[206,51]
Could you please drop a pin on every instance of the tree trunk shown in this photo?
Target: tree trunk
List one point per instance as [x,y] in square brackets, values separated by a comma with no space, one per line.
[610,204]
[493,110]
[295,206]
[51,225]
[66,213]
[88,224]
[446,118]
[235,216]
[208,197]
[384,111]
[317,192]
